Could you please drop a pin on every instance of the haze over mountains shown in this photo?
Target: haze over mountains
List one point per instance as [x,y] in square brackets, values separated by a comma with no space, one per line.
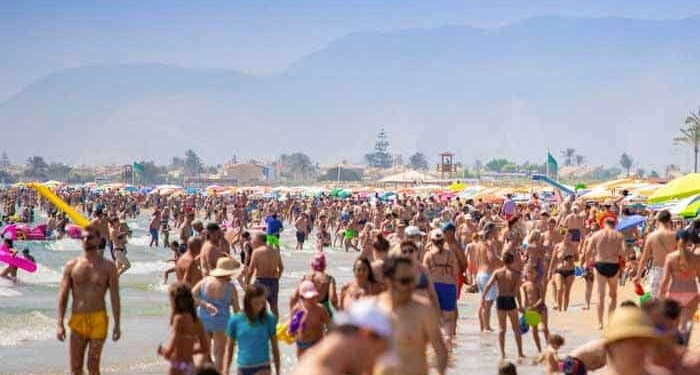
[602,86]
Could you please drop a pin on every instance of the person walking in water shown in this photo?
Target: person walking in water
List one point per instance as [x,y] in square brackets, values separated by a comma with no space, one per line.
[266,265]
[88,278]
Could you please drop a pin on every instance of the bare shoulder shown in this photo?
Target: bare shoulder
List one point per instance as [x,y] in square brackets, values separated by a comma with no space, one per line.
[107,265]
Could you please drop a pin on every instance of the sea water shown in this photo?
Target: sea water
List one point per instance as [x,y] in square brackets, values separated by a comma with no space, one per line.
[28,310]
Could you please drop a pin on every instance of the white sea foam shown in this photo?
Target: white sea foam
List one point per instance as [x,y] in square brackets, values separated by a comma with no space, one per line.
[16,329]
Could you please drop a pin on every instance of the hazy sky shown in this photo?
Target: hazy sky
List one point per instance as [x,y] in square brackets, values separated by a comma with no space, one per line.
[38,37]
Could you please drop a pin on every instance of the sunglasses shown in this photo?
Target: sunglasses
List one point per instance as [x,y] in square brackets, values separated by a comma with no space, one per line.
[408,250]
[406,280]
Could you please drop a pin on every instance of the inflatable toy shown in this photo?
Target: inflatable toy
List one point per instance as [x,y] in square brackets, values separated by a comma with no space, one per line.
[16,261]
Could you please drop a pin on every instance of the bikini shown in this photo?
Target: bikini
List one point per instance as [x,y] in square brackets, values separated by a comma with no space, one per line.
[446,293]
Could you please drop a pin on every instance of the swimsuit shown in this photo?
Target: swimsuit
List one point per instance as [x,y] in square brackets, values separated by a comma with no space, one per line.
[506,303]
[301,236]
[654,280]
[422,281]
[306,345]
[252,370]
[607,269]
[186,368]
[447,296]
[565,273]
[576,235]
[683,298]
[573,366]
[90,326]
[272,284]
[481,279]
[218,322]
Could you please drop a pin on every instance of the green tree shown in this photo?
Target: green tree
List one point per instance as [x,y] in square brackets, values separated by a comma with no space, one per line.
[641,172]
[478,167]
[7,178]
[58,171]
[653,174]
[568,155]
[626,162]
[36,168]
[690,136]
[496,165]
[152,174]
[177,163]
[418,161]
[298,165]
[380,157]
[4,160]
[333,174]
[579,160]
[193,164]
[509,168]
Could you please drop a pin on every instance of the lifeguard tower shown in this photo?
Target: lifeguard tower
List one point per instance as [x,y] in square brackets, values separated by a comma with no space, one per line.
[447,165]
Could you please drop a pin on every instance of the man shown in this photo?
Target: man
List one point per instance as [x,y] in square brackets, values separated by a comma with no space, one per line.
[574,223]
[508,281]
[443,266]
[415,323]
[302,226]
[88,278]
[101,223]
[188,268]
[657,245]
[186,230]
[266,265]
[153,228]
[274,227]
[671,354]
[508,209]
[211,250]
[198,228]
[604,250]
[487,260]
[365,328]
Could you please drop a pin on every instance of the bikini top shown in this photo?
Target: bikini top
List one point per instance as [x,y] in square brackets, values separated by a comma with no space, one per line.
[422,281]
[443,265]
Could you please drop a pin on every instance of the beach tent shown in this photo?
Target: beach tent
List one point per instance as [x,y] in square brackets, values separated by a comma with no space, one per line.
[679,188]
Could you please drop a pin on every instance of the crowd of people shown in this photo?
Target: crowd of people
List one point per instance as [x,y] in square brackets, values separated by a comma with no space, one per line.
[416,258]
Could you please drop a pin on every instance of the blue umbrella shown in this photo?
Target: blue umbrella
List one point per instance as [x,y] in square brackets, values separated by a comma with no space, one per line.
[191,190]
[629,222]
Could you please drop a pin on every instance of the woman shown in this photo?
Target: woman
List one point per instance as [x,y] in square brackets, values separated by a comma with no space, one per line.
[215,295]
[255,331]
[363,285]
[424,283]
[535,256]
[380,247]
[186,332]
[565,254]
[324,283]
[681,270]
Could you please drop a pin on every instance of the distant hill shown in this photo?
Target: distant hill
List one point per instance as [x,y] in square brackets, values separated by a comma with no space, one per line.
[602,86]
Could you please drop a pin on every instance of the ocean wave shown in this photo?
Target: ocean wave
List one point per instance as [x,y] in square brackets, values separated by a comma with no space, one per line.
[145,268]
[65,244]
[19,328]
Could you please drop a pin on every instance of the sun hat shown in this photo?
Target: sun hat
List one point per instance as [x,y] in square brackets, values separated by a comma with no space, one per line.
[366,314]
[412,231]
[307,289]
[628,323]
[436,234]
[225,266]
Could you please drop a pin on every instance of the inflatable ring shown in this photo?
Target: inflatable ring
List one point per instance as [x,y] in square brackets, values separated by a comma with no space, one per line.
[21,236]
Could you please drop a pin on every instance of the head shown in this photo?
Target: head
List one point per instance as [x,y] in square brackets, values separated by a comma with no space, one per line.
[629,336]
[363,270]
[508,258]
[214,232]
[259,239]
[664,217]
[366,322]
[225,268]
[610,223]
[532,274]
[318,263]
[91,238]
[181,300]
[409,249]
[308,292]
[489,231]
[556,341]
[380,244]
[197,226]
[507,368]
[437,238]
[401,275]
[449,230]
[535,237]
[194,245]
[255,302]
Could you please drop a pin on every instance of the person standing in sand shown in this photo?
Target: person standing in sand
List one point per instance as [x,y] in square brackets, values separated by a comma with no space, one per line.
[188,267]
[508,281]
[88,278]
[266,265]
[415,322]
[443,266]
[679,280]
[605,248]
[657,246]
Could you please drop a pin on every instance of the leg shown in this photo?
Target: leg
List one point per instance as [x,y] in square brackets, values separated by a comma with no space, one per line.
[487,315]
[555,290]
[502,316]
[536,337]
[545,324]
[567,291]
[561,290]
[76,351]
[612,284]
[515,325]
[94,356]
[602,282]
[589,292]
[219,341]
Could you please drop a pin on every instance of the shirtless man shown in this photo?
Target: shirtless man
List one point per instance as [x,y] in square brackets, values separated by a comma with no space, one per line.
[153,228]
[266,265]
[415,322]
[188,268]
[657,245]
[487,260]
[186,230]
[211,250]
[101,224]
[508,281]
[302,226]
[88,278]
[587,357]
[605,248]
[575,223]
[443,266]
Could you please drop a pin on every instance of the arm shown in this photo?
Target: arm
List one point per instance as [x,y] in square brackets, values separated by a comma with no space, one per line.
[642,260]
[275,353]
[228,355]
[518,298]
[280,265]
[665,279]
[294,298]
[552,262]
[115,301]
[333,293]
[66,284]
[234,300]
[178,332]
[251,268]
[204,263]
[435,336]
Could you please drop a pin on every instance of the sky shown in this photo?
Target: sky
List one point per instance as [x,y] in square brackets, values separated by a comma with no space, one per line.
[261,37]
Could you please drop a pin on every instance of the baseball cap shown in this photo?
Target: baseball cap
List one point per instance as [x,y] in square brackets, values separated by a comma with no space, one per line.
[448,226]
[413,230]
[367,314]
[307,289]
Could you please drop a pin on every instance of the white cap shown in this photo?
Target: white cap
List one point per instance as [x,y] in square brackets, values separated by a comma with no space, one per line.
[366,313]
[413,231]
[437,234]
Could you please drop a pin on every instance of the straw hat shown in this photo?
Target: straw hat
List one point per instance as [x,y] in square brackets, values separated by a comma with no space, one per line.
[225,266]
[628,323]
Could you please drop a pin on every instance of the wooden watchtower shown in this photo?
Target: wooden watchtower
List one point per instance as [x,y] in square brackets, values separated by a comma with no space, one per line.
[447,165]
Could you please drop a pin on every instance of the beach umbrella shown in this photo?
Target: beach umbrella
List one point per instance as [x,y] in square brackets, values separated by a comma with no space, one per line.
[629,222]
[130,189]
[691,210]
[679,188]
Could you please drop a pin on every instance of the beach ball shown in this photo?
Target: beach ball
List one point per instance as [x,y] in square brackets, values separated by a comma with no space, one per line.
[578,271]
[532,318]
[524,327]
[645,297]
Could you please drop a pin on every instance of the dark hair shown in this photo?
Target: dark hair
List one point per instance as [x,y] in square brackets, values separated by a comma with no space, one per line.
[392,263]
[507,368]
[254,291]
[671,309]
[508,258]
[664,216]
[367,264]
[183,301]
[380,243]
[628,303]
[213,227]
[408,243]
[246,235]
[557,340]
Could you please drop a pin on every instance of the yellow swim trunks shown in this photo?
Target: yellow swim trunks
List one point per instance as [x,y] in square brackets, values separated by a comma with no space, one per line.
[91,326]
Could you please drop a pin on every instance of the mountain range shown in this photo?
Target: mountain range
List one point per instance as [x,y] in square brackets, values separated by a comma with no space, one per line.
[602,86]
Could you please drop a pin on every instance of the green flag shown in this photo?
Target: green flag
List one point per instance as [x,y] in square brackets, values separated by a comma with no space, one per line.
[552,165]
[137,167]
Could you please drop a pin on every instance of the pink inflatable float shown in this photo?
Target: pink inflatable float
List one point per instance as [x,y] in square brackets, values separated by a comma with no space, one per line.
[24,232]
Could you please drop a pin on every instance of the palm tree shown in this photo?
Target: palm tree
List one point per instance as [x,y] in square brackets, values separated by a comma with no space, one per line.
[579,160]
[568,155]
[626,163]
[690,136]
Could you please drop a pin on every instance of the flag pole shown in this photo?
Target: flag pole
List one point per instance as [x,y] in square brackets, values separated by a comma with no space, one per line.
[547,164]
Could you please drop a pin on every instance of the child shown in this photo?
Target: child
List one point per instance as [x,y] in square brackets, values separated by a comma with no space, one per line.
[177,251]
[186,331]
[534,300]
[165,231]
[550,358]
[323,238]
[309,318]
